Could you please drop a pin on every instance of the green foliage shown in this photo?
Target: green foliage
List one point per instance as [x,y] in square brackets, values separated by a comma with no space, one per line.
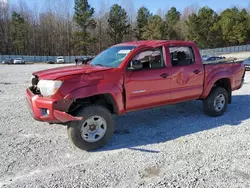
[142,18]
[118,23]
[234,26]
[248,27]
[84,18]
[204,28]
[50,33]
[19,28]
[83,14]
[171,26]
[173,16]
[154,29]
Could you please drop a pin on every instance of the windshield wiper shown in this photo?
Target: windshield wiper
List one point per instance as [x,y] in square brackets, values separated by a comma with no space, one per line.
[98,65]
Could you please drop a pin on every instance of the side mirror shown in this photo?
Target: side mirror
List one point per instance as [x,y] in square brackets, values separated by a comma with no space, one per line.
[135,65]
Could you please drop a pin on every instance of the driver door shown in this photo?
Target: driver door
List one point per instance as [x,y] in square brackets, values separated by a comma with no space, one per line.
[149,86]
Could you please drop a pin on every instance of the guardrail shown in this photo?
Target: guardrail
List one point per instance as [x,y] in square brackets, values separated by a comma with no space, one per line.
[40,59]
[225,50]
[216,51]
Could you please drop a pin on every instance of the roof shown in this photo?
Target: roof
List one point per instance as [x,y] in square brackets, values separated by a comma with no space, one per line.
[151,42]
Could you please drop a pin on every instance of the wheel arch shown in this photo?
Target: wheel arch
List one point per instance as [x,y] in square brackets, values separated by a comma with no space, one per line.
[219,80]
[110,97]
[106,100]
[226,84]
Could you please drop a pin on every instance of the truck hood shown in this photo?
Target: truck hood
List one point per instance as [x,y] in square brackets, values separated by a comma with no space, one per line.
[55,73]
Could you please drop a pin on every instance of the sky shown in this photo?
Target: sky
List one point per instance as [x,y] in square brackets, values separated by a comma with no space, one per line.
[152,5]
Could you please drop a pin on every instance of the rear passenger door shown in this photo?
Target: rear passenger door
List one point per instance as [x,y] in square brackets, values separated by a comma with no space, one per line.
[186,78]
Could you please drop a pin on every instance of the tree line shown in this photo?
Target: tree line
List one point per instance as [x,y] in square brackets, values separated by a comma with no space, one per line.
[83,31]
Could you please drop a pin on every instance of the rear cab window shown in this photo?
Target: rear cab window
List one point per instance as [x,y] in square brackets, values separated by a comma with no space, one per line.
[181,56]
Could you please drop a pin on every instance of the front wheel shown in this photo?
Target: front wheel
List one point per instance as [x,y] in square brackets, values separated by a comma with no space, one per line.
[94,131]
[216,102]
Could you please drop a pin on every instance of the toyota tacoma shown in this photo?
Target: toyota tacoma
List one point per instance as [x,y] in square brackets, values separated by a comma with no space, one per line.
[128,77]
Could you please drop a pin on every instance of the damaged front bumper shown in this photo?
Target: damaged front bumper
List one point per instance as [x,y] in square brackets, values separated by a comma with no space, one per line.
[48,110]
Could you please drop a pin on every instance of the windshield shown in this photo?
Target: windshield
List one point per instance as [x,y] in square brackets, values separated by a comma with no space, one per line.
[113,56]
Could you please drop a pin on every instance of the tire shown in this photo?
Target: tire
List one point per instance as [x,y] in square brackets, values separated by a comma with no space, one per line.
[75,128]
[209,106]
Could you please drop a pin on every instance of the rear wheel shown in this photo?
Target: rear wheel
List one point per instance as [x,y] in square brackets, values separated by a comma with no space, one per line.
[216,103]
[94,131]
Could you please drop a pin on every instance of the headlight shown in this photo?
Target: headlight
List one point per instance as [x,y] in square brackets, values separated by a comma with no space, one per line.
[49,87]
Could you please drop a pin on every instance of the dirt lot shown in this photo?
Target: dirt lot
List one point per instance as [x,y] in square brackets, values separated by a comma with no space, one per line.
[174,146]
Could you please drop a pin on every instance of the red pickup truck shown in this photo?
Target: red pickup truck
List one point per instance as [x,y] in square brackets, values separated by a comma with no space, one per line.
[127,77]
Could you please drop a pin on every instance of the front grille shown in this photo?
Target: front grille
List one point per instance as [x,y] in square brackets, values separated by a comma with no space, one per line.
[34,80]
[35,90]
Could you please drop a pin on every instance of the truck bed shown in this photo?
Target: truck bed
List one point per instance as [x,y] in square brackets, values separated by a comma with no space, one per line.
[231,69]
[223,61]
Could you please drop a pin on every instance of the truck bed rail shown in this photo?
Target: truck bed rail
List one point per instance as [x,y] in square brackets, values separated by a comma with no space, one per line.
[222,61]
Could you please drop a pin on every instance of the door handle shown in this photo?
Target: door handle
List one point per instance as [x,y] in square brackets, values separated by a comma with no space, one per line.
[196,71]
[164,75]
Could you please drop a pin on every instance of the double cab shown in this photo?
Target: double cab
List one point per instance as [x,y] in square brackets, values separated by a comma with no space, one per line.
[128,77]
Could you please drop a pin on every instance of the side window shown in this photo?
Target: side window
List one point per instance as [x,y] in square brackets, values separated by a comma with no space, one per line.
[151,59]
[181,56]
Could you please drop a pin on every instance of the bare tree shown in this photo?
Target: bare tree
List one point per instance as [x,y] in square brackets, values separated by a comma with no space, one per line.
[160,12]
[48,29]
[4,27]
[128,5]
[192,9]
[102,22]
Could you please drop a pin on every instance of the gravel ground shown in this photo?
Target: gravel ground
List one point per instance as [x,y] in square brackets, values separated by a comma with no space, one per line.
[173,146]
